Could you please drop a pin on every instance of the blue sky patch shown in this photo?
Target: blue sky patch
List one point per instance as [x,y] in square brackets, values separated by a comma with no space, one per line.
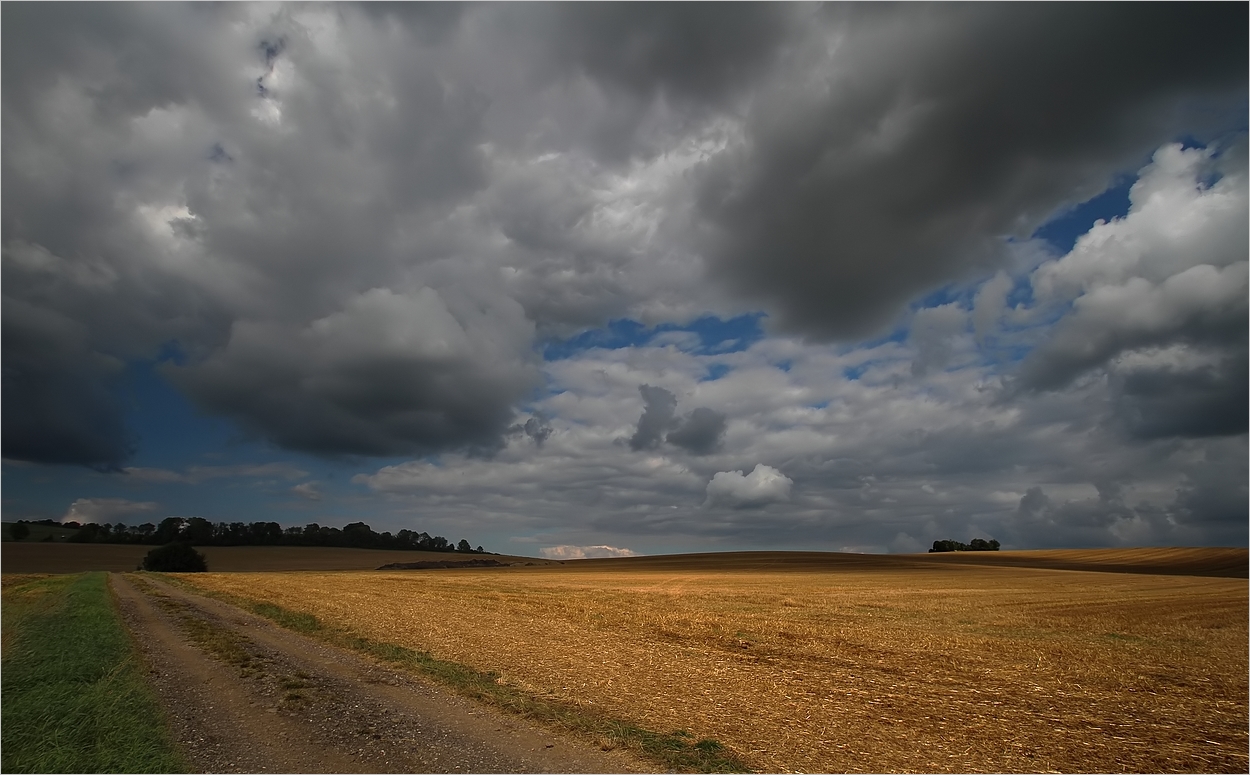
[716,335]
[855,372]
[1063,231]
[716,371]
[945,295]
[170,431]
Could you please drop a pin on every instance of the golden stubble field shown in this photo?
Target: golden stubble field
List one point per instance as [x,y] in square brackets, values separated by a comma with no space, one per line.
[938,667]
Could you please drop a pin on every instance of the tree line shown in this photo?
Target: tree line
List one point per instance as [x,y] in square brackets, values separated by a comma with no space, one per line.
[200,532]
[976,545]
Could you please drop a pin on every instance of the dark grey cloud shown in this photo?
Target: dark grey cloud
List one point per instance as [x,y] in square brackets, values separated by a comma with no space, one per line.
[681,50]
[61,401]
[1214,492]
[700,432]
[1202,305]
[537,428]
[1210,400]
[659,406]
[165,197]
[901,159]
[659,69]
[389,374]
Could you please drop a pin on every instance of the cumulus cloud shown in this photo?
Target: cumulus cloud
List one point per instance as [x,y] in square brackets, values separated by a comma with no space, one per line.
[763,485]
[1158,301]
[566,552]
[102,510]
[835,208]
[1200,303]
[1161,396]
[1173,271]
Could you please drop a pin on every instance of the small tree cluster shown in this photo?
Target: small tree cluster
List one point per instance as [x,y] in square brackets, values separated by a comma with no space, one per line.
[975,545]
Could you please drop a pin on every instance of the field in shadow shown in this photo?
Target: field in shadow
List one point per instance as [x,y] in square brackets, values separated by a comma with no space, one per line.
[1197,561]
[24,557]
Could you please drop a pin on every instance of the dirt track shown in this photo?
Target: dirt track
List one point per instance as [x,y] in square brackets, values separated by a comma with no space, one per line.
[270,700]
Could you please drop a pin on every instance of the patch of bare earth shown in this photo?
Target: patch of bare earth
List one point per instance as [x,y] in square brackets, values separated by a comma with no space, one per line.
[244,695]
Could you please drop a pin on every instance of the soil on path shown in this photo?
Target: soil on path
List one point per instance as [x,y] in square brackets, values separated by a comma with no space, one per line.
[270,700]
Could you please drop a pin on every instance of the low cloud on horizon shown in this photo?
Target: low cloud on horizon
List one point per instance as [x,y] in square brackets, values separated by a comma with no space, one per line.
[584,552]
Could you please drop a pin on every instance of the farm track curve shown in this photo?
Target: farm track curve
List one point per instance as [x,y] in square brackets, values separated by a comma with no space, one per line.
[272,700]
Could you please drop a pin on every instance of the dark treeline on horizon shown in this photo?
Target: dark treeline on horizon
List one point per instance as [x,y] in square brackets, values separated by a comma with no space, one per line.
[976,545]
[200,532]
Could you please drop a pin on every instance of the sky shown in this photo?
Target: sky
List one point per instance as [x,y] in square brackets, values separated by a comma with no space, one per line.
[596,279]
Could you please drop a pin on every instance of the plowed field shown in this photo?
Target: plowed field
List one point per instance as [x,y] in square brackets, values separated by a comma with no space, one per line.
[930,667]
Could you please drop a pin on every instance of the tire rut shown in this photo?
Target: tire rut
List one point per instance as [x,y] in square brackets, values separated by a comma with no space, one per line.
[245,695]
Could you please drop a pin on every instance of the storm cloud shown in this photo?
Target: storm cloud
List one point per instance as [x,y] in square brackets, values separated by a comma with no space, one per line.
[420,262]
[914,138]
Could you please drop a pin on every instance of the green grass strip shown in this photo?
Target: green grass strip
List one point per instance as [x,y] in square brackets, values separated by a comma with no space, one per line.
[72,692]
[677,751]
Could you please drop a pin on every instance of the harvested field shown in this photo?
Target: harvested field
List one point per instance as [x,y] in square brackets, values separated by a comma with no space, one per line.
[25,557]
[860,666]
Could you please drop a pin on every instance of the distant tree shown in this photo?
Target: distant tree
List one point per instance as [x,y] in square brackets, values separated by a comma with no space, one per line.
[463,546]
[85,534]
[178,557]
[169,530]
[19,531]
[359,534]
[198,531]
[312,534]
[439,544]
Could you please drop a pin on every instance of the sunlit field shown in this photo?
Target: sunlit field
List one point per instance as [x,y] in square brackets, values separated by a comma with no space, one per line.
[938,667]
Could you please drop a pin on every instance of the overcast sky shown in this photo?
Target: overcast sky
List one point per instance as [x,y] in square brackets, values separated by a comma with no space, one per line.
[597,278]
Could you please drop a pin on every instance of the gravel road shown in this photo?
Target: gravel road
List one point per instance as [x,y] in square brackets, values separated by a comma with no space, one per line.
[294,704]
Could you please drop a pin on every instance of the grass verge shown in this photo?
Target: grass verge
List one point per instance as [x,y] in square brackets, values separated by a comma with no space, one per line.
[72,693]
[676,751]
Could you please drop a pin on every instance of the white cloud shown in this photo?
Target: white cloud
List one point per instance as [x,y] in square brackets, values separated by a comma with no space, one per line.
[308,491]
[763,485]
[566,552]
